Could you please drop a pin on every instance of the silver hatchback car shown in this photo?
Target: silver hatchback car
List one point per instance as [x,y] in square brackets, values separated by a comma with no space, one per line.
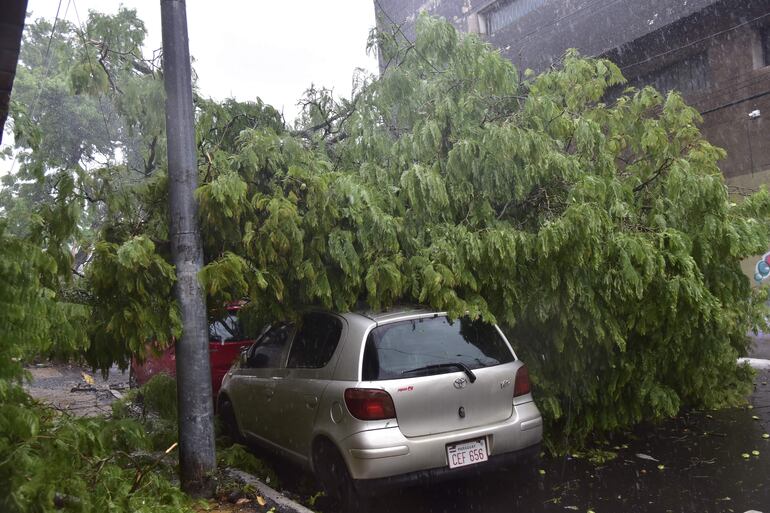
[369,400]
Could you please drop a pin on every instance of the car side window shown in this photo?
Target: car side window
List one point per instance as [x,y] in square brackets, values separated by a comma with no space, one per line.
[315,342]
[268,352]
[225,329]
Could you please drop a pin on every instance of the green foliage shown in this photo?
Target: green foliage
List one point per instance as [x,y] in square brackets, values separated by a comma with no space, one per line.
[159,396]
[132,301]
[53,462]
[33,321]
[49,461]
[154,407]
[598,232]
[238,456]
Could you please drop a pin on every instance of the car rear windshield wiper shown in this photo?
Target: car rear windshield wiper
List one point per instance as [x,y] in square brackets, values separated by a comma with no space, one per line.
[453,365]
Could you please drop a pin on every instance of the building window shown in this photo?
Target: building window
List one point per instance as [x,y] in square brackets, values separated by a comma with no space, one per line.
[764,40]
[505,13]
[688,75]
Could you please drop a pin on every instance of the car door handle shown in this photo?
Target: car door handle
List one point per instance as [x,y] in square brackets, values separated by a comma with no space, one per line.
[269,392]
[311,401]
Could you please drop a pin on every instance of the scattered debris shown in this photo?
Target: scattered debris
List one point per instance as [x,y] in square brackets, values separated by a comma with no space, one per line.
[642,456]
[83,387]
[283,502]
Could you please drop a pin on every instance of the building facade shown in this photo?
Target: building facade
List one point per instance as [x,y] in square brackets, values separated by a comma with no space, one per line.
[716,52]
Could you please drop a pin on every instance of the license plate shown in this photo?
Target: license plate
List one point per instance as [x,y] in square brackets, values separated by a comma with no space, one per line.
[466,453]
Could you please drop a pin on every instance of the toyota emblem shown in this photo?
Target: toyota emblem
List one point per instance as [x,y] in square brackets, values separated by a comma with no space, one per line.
[461,383]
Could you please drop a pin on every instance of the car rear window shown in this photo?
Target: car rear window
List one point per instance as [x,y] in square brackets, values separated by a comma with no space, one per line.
[399,348]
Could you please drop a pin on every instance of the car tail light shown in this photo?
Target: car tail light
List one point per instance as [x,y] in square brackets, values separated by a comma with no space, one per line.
[521,386]
[369,403]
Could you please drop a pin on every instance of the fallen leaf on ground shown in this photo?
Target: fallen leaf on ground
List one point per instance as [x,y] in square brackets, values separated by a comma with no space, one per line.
[87,378]
[642,456]
[261,501]
[242,500]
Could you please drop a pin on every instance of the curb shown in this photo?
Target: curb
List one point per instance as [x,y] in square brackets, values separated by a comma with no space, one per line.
[755,363]
[283,503]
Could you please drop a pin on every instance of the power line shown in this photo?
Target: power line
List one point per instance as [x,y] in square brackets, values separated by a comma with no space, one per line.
[736,102]
[91,66]
[398,28]
[729,89]
[47,58]
[710,36]
[576,12]
[47,65]
[740,84]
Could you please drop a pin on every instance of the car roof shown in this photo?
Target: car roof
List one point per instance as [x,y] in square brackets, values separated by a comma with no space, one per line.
[394,312]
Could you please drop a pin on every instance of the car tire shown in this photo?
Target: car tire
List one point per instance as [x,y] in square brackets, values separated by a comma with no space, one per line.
[229,422]
[334,477]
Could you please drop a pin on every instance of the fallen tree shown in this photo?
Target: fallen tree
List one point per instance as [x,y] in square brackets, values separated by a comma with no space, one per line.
[599,231]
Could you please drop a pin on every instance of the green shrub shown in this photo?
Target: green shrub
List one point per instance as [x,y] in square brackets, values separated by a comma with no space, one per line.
[238,456]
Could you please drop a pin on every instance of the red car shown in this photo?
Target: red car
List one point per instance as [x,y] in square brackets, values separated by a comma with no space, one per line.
[227,338]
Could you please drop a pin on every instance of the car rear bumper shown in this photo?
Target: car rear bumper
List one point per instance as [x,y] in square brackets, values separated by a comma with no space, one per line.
[438,475]
[387,455]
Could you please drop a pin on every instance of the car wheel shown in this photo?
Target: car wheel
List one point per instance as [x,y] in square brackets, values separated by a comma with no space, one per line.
[332,473]
[229,422]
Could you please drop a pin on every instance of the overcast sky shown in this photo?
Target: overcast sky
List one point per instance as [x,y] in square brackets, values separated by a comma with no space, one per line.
[273,49]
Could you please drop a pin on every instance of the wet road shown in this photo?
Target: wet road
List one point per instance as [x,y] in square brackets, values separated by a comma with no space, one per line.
[67,388]
[703,470]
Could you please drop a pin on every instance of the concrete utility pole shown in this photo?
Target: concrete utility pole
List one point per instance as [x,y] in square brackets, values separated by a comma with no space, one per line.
[197,458]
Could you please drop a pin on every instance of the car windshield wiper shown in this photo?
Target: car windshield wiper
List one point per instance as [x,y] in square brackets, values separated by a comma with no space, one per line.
[453,365]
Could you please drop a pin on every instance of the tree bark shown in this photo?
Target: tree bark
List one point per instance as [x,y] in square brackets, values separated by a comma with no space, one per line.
[197,458]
